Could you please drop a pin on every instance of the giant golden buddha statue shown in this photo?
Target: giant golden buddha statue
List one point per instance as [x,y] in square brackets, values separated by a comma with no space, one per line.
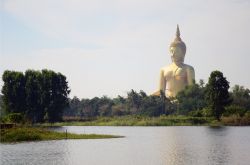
[176,76]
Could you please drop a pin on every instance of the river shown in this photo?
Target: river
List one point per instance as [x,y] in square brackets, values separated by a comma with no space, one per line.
[176,145]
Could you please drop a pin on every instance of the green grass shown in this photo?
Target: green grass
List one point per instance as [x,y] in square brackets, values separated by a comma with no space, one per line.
[170,120]
[139,121]
[34,134]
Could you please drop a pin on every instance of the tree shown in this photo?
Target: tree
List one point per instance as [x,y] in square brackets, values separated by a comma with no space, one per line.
[13,91]
[163,101]
[191,98]
[119,106]
[35,94]
[217,94]
[241,97]
[74,107]
[85,108]
[2,112]
[33,90]
[152,106]
[46,91]
[58,92]
[105,106]
[201,83]
[134,100]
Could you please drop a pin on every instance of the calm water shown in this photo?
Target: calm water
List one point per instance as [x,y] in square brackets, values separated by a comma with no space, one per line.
[141,146]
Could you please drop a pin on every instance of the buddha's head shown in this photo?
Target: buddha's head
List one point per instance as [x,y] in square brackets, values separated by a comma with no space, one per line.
[177,49]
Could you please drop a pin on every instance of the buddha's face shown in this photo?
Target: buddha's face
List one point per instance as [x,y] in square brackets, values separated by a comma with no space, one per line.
[177,55]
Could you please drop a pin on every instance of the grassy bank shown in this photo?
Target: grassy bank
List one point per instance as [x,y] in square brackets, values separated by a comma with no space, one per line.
[34,134]
[139,121]
[236,120]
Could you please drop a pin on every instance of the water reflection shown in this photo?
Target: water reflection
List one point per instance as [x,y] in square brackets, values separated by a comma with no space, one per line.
[182,146]
[141,146]
[46,152]
[218,145]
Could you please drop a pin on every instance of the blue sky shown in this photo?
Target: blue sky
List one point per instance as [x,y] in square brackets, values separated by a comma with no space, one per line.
[107,47]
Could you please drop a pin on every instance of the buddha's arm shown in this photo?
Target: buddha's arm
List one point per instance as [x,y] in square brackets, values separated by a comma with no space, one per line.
[162,82]
[190,76]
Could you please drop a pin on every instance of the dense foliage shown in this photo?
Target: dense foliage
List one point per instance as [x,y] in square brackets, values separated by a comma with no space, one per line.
[217,94]
[136,103]
[37,95]
[191,99]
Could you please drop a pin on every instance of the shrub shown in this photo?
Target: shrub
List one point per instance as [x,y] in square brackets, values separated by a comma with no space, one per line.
[16,117]
[197,113]
[206,112]
[234,110]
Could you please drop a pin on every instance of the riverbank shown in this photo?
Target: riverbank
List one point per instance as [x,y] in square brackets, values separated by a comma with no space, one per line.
[138,121]
[132,120]
[20,134]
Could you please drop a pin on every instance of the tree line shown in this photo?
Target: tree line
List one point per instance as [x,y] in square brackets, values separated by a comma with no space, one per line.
[198,100]
[43,96]
[35,95]
[135,103]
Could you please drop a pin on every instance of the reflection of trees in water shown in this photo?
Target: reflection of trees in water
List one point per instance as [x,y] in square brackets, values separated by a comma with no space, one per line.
[218,143]
[182,146]
[195,145]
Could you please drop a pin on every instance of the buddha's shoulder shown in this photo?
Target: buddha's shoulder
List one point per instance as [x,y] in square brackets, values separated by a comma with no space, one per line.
[167,68]
[188,67]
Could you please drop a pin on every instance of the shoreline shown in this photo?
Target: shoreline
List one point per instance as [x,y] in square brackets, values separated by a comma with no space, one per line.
[155,121]
[26,134]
